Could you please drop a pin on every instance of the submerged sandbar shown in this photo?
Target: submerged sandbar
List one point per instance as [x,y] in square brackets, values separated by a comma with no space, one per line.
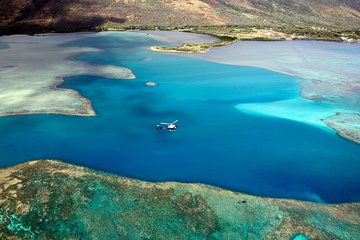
[33,66]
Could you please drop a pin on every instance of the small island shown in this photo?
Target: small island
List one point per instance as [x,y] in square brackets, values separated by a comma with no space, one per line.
[197,48]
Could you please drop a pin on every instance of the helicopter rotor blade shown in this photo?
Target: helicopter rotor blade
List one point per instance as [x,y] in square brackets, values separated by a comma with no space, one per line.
[169,123]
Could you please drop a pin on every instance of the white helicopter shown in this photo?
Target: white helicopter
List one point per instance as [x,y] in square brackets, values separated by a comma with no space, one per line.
[169,126]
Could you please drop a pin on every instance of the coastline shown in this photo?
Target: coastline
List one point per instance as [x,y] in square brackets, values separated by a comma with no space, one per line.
[196,209]
[241,33]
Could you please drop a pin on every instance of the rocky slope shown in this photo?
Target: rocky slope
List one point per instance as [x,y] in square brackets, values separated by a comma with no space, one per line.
[54,200]
[67,15]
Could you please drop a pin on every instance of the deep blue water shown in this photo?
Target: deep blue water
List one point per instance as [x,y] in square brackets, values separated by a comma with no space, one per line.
[215,143]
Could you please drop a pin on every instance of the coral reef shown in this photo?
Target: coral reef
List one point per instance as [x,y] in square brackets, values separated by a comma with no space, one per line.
[53,200]
[31,68]
[346,124]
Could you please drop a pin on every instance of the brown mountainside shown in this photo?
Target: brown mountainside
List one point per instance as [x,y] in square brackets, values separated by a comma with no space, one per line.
[63,15]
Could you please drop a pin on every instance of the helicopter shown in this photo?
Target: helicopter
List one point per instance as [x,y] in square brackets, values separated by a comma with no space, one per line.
[170,126]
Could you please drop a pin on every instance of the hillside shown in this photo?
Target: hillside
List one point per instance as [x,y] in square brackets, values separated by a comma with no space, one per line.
[27,16]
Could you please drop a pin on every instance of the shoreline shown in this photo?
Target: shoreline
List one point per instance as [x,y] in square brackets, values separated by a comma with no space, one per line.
[241,33]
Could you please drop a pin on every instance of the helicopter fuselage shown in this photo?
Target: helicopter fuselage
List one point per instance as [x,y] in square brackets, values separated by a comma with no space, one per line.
[171,127]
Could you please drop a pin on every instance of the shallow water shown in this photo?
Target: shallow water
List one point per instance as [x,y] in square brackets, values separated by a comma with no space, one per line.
[329,71]
[215,144]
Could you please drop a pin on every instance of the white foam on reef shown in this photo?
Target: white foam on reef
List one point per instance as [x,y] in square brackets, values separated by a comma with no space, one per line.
[31,68]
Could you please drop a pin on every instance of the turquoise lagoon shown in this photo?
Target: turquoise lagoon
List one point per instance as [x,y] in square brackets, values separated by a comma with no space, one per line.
[215,144]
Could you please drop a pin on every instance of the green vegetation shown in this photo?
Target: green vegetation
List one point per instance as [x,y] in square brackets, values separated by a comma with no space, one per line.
[252,32]
[198,48]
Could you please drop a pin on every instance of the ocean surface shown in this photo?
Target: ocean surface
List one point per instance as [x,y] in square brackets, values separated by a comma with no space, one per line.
[215,143]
